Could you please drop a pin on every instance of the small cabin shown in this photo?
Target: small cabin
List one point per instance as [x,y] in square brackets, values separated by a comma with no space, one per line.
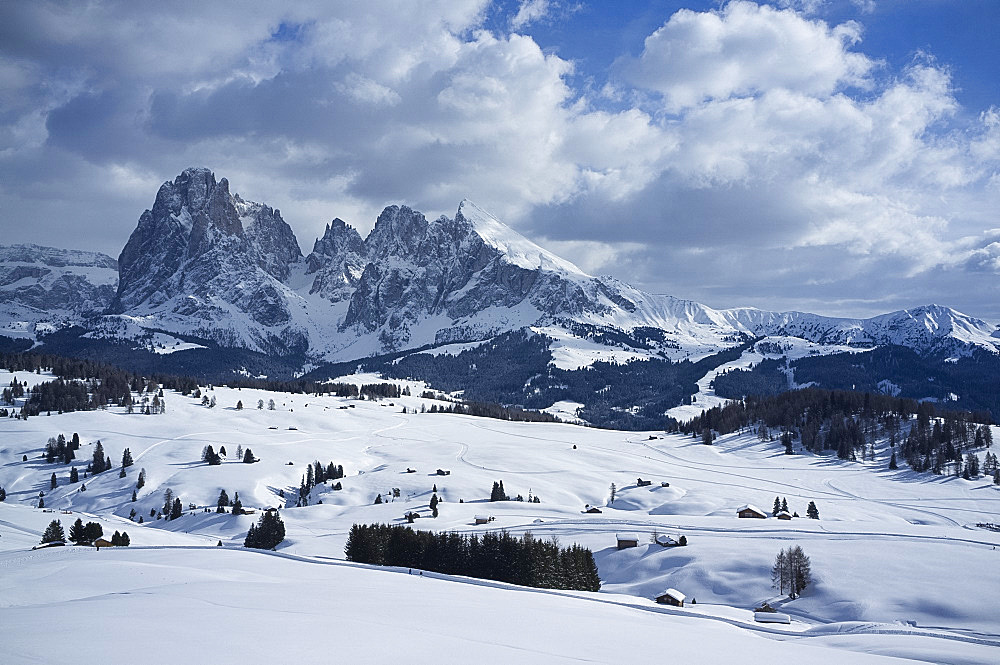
[783,515]
[627,540]
[100,542]
[443,472]
[643,483]
[749,511]
[664,540]
[671,597]
[771,617]
[593,510]
[664,483]
[483,519]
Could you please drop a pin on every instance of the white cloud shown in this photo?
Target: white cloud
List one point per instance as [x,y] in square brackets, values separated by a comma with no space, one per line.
[746,150]
[745,49]
[529,12]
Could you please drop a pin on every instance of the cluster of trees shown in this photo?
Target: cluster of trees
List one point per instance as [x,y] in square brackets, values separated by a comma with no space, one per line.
[317,474]
[172,505]
[213,458]
[499,494]
[791,571]
[496,411]
[934,445]
[85,534]
[849,423]
[53,533]
[58,448]
[493,556]
[268,532]
[972,377]
[223,503]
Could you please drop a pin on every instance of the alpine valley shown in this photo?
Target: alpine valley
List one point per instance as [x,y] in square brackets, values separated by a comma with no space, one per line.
[215,286]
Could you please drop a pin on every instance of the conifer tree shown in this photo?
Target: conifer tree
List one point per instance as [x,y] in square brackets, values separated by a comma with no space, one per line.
[97,462]
[784,505]
[77,534]
[141,480]
[74,475]
[237,504]
[893,465]
[3,495]
[777,506]
[812,512]
[127,458]
[54,533]
[177,509]
[53,483]
[222,503]
[248,457]
[378,499]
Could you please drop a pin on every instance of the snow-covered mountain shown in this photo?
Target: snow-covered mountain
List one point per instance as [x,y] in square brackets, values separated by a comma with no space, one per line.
[206,262]
[42,288]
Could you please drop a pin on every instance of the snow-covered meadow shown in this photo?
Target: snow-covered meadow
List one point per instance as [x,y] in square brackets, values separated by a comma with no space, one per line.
[899,567]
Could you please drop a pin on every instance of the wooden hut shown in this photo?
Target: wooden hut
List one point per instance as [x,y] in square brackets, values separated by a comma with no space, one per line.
[671,597]
[783,515]
[750,511]
[627,540]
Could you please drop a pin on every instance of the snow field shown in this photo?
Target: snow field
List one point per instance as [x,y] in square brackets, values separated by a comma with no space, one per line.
[895,550]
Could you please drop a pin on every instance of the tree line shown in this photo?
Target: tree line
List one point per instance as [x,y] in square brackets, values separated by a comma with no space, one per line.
[498,556]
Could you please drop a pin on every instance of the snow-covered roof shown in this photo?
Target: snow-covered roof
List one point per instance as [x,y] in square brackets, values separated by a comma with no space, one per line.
[673,593]
[666,539]
[626,536]
[771,617]
[782,513]
[482,517]
[748,506]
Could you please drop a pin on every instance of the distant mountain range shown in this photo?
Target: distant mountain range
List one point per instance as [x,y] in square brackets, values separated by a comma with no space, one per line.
[206,268]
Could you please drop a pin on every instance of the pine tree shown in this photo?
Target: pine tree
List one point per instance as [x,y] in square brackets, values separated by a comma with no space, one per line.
[786,440]
[3,495]
[614,490]
[434,505]
[269,532]
[892,462]
[168,501]
[127,458]
[54,533]
[92,531]
[239,405]
[74,475]
[77,534]
[260,404]
[784,505]
[177,509]
[248,457]
[97,463]
[121,474]
[378,499]
[237,504]
[141,480]
[53,483]
[777,506]
[812,512]
[134,497]
[223,501]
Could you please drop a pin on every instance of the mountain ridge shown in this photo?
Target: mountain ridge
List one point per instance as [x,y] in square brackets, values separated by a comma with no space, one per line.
[204,261]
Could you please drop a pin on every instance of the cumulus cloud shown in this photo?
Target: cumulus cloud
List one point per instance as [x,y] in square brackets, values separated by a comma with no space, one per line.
[751,154]
[744,49]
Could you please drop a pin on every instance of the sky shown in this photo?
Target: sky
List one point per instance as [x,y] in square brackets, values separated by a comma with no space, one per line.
[834,156]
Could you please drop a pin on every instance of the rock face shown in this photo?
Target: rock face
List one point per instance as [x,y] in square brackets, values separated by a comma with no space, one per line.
[42,283]
[206,262]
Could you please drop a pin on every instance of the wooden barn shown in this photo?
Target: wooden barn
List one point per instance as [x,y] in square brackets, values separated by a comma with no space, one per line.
[100,542]
[483,519]
[749,511]
[593,510]
[671,597]
[627,540]
[663,540]
[783,515]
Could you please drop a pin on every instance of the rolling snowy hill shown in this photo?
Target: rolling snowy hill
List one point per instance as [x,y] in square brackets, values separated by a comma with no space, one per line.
[900,568]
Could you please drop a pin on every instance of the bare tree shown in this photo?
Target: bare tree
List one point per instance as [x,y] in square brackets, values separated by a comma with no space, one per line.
[791,571]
